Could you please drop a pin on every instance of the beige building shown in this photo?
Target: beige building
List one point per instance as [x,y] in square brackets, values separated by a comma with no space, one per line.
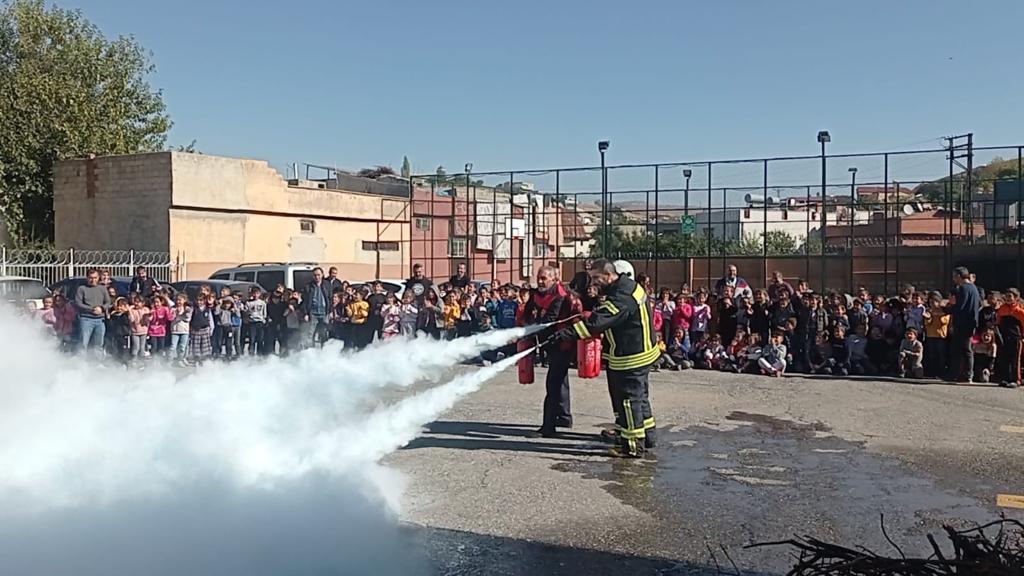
[214,212]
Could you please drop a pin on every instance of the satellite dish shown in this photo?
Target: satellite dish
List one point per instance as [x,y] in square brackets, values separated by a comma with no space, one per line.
[908,209]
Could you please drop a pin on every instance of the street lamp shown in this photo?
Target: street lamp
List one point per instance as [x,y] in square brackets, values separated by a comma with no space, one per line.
[823,138]
[602,147]
[853,201]
[686,198]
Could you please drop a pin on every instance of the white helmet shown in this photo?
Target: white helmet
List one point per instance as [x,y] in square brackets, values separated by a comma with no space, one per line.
[624,268]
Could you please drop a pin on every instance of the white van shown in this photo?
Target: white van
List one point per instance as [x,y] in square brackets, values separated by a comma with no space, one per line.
[294,275]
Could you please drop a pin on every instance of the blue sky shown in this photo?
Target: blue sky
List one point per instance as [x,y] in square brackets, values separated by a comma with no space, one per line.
[534,84]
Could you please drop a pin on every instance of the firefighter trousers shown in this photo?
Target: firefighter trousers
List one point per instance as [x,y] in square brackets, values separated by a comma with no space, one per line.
[633,414]
[557,410]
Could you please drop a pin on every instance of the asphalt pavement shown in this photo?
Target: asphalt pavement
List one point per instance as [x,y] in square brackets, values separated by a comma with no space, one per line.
[741,460]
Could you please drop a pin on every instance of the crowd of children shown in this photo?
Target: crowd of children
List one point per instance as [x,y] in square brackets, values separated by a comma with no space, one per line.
[732,328]
[781,329]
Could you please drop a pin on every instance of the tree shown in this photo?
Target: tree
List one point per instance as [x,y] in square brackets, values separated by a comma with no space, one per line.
[190,148]
[66,91]
[406,167]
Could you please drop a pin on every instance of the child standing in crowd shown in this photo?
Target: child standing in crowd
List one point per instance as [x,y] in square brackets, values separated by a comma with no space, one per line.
[667,307]
[431,316]
[200,334]
[914,313]
[121,331]
[409,313]
[337,317]
[857,316]
[45,315]
[840,362]
[985,351]
[225,324]
[773,357]
[878,351]
[64,320]
[911,355]
[359,314]
[1010,317]
[392,314]
[138,316]
[452,312]
[467,317]
[936,329]
[700,322]
[292,324]
[680,317]
[180,329]
[159,321]
[256,314]
[507,309]
[857,346]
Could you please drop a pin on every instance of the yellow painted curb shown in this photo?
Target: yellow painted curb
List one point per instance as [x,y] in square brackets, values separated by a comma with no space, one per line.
[1010,501]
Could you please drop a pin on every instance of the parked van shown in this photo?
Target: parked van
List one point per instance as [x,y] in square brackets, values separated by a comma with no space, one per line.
[294,275]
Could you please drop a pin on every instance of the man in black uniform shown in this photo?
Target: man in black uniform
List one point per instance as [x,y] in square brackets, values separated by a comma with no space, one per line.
[550,302]
[627,322]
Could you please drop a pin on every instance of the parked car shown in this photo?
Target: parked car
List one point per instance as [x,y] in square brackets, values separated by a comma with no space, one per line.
[191,287]
[22,291]
[294,275]
[68,286]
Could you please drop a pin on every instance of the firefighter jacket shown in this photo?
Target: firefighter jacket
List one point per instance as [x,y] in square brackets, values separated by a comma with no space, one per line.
[627,322]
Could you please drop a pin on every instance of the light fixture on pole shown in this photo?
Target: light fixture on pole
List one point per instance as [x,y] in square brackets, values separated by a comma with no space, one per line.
[823,138]
[602,147]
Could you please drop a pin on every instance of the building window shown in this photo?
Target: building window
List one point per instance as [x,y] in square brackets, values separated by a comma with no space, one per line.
[540,250]
[307,226]
[423,223]
[746,213]
[785,214]
[370,246]
[457,247]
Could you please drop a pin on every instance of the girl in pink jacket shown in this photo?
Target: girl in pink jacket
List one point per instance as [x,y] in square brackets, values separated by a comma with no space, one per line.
[160,317]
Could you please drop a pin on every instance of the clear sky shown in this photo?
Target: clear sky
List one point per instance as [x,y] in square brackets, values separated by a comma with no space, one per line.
[534,84]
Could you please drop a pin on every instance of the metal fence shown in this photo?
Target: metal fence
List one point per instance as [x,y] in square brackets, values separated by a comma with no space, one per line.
[839,221]
[51,266]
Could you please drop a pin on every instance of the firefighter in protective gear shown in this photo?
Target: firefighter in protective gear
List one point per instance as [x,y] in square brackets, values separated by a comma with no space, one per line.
[627,321]
[551,302]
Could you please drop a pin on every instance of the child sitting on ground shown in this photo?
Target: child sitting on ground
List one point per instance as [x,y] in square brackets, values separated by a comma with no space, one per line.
[985,351]
[911,355]
[840,362]
[857,346]
[773,356]
[679,350]
[820,355]
[752,355]
[735,354]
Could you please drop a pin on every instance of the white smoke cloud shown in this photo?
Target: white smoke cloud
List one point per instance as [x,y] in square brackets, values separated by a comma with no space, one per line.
[129,472]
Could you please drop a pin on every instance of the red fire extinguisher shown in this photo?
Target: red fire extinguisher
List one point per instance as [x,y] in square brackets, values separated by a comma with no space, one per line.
[525,363]
[588,357]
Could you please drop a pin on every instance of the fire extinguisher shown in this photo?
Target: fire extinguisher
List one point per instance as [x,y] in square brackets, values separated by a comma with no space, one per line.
[588,357]
[525,363]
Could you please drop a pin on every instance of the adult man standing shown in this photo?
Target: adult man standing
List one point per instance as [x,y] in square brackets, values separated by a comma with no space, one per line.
[92,302]
[964,311]
[550,302]
[419,284]
[627,321]
[740,288]
[461,278]
[142,284]
[333,282]
[777,285]
[316,303]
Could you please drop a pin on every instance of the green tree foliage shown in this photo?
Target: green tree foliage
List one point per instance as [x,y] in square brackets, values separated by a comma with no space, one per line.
[66,91]
[983,179]
[632,245]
